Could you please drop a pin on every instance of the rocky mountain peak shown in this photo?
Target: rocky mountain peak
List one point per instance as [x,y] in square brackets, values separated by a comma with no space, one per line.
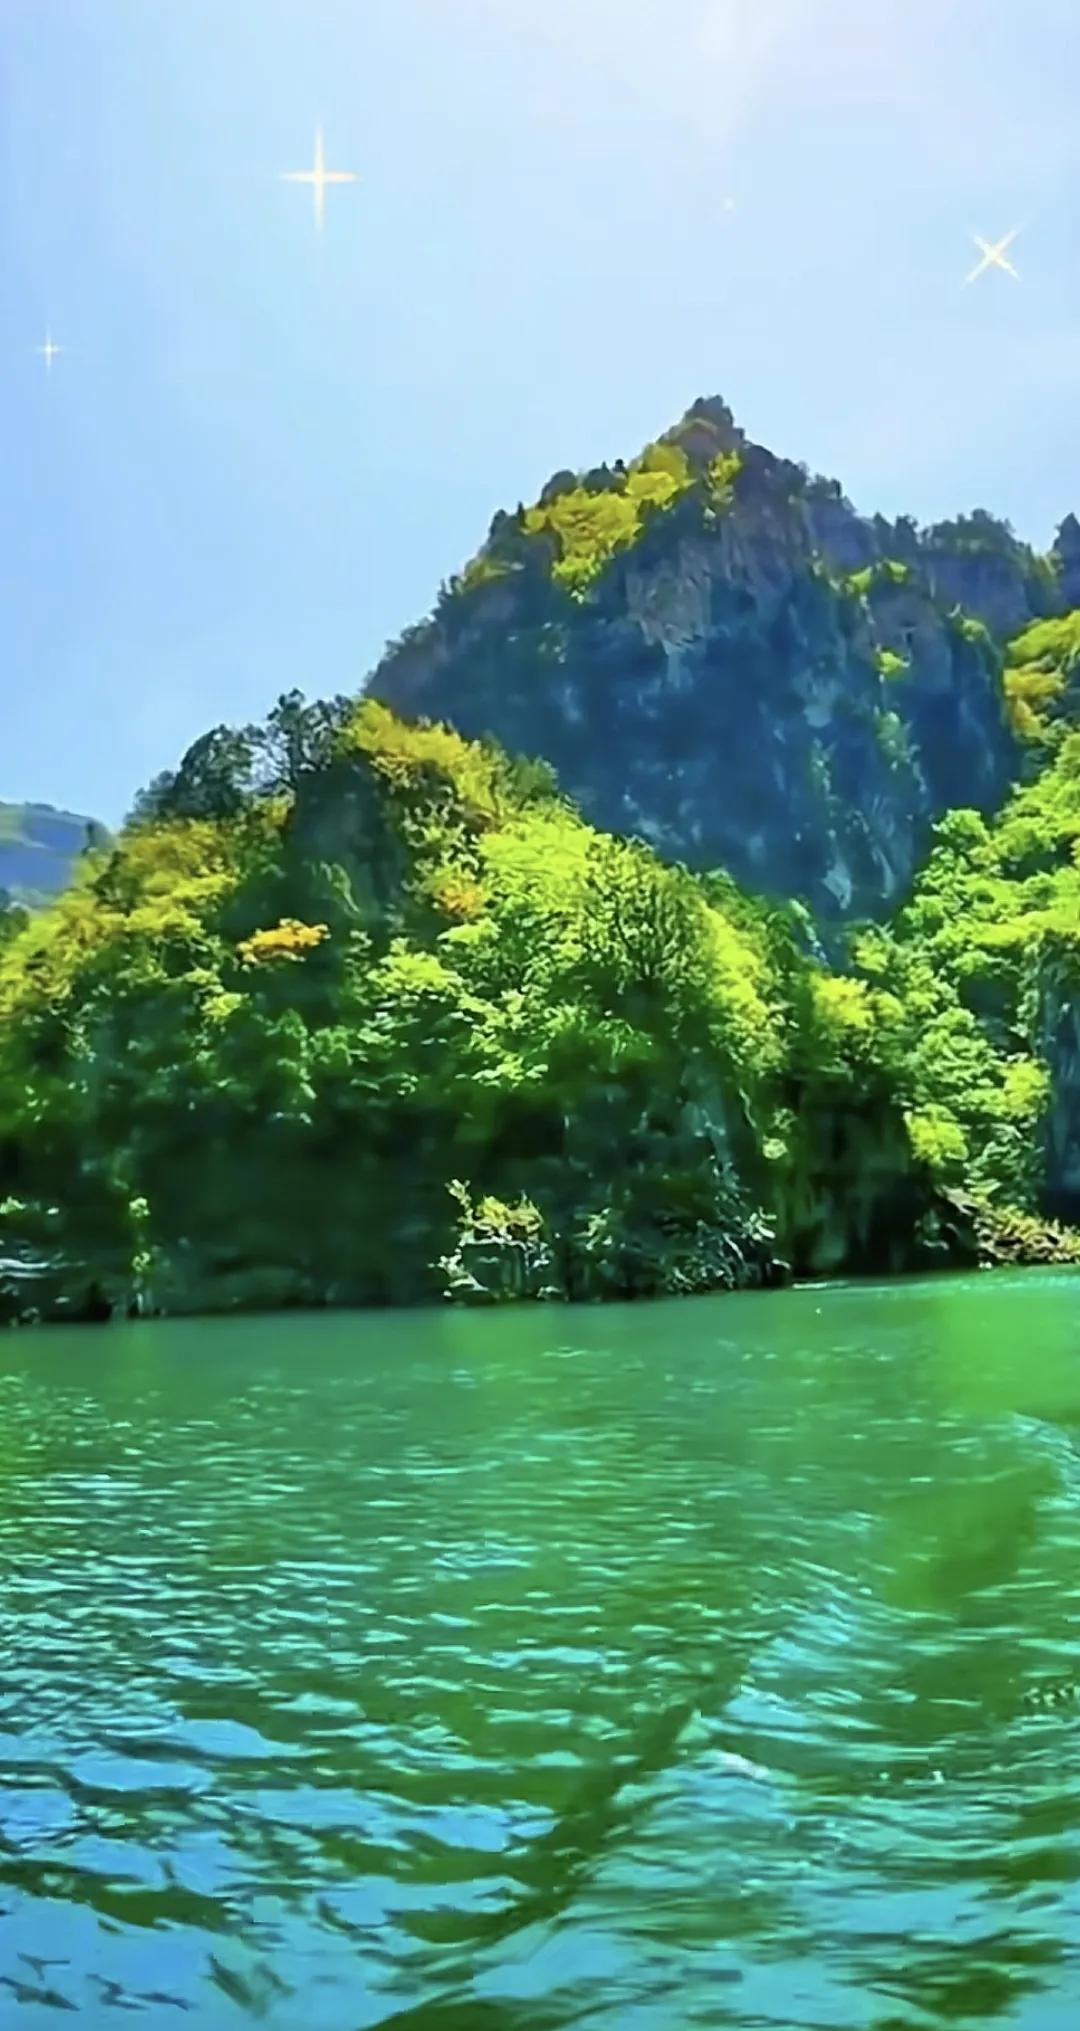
[717,652]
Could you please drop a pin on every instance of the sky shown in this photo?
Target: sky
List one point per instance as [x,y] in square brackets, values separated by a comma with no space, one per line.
[262,448]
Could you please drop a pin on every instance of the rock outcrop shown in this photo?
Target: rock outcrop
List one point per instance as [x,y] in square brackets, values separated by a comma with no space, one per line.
[759,679]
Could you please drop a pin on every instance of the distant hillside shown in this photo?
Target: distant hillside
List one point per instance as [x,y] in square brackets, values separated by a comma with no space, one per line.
[39,847]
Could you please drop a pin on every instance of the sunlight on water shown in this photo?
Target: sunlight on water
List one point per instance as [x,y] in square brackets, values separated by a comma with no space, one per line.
[702,1664]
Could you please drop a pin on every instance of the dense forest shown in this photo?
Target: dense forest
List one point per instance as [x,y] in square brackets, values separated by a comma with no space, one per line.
[691,903]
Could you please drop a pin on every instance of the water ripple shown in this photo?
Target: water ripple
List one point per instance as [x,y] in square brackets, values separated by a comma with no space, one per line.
[704,1664]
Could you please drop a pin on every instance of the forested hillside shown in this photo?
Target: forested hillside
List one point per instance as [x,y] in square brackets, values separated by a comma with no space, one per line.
[364,1009]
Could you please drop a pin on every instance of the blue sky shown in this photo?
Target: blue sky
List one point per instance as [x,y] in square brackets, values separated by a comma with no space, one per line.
[261,451]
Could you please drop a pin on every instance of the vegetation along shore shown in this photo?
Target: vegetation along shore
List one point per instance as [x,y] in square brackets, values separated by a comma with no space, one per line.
[690,903]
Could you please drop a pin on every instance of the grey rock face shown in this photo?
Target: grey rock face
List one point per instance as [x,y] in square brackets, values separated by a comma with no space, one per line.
[777,686]
[1066,556]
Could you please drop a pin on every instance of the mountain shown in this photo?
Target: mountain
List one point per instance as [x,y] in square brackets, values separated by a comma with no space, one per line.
[719,655]
[692,901]
[38,849]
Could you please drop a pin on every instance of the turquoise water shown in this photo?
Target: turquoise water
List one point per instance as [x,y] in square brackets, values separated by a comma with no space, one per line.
[637,1669]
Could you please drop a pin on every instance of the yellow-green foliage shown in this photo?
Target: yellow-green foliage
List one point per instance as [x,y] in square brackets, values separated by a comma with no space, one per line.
[937,1139]
[431,761]
[886,571]
[994,924]
[146,906]
[456,894]
[490,1218]
[589,528]
[892,666]
[1039,666]
[484,961]
[844,1011]
[518,960]
[971,628]
[483,569]
[586,525]
[848,1027]
[722,474]
[290,940]
[109,980]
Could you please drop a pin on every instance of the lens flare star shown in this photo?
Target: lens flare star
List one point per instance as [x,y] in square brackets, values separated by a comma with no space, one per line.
[319,177]
[49,351]
[993,256]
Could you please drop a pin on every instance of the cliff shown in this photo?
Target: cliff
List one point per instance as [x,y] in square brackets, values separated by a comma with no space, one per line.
[717,654]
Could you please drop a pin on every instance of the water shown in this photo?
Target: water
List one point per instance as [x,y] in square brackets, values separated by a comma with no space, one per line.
[635,1669]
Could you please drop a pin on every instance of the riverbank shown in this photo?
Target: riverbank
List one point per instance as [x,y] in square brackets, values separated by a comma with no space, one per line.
[505,1260]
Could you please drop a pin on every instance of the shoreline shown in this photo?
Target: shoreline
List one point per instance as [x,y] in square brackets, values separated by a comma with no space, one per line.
[953,1272]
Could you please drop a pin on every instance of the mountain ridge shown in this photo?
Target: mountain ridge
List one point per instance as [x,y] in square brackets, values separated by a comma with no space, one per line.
[39,847]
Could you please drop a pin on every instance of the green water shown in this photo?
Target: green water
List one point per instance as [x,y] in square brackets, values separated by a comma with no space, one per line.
[633,1669]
